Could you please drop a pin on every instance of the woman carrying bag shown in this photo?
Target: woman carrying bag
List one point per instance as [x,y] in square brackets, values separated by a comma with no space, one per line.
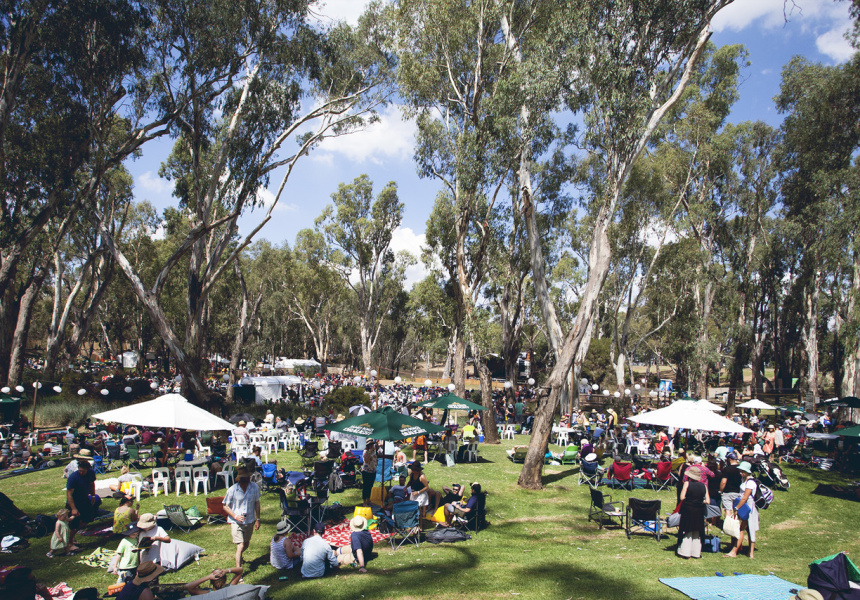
[691,530]
[745,511]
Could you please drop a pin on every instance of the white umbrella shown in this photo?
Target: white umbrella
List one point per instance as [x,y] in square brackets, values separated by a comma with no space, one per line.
[757,404]
[708,405]
[358,410]
[682,415]
[170,410]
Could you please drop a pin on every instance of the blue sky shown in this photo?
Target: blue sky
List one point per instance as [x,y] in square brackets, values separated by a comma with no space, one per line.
[772,30]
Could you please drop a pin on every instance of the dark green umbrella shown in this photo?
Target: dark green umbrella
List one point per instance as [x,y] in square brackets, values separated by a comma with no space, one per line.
[849,431]
[450,402]
[847,401]
[385,424]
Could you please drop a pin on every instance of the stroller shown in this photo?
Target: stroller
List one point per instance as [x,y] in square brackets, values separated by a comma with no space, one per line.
[348,467]
[771,474]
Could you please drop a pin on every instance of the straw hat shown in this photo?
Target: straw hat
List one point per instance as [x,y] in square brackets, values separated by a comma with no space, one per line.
[147,571]
[808,594]
[242,473]
[84,455]
[300,421]
[358,523]
[282,528]
[241,423]
[694,473]
[591,457]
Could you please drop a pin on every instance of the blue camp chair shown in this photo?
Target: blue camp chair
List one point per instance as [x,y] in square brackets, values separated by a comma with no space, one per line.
[404,523]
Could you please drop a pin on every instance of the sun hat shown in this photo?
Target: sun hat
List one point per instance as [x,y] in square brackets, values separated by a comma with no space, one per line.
[300,420]
[84,455]
[771,426]
[416,466]
[146,521]
[807,594]
[241,423]
[697,460]
[694,473]
[147,571]
[282,528]
[357,523]
[745,467]
[242,473]
[591,457]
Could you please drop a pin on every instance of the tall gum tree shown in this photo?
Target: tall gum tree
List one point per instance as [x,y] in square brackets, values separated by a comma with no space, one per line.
[630,62]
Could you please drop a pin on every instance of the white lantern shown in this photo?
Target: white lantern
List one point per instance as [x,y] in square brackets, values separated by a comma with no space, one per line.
[5,390]
[82,392]
[451,387]
[153,385]
[584,381]
[508,385]
[373,372]
[627,392]
[356,379]
[398,379]
[105,392]
[605,392]
[427,383]
[317,385]
[127,389]
[19,389]
[532,381]
[637,387]
[595,387]
[652,393]
[58,389]
[225,377]
[37,385]
[617,394]
[644,381]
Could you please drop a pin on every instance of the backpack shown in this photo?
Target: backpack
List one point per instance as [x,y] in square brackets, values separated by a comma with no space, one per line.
[446,534]
[335,483]
[763,495]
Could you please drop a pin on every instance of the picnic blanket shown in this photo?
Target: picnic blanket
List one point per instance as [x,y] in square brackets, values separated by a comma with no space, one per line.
[97,530]
[338,535]
[61,591]
[739,587]
[100,558]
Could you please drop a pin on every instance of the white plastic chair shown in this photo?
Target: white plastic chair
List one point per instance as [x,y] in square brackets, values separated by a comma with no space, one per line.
[348,445]
[562,439]
[160,477]
[241,450]
[202,450]
[271,442]
[471,452]
[201,476]
[183,476]
[228,473]
[509,432]
[293,439]
[284,441]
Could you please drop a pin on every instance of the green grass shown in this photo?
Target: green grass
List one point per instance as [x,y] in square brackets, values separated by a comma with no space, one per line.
[539,544]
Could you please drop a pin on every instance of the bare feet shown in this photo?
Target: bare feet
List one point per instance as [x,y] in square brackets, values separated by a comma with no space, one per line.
[731,555]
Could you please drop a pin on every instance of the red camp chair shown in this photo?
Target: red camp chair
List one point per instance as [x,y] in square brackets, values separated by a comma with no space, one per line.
[664,477]
[621,475]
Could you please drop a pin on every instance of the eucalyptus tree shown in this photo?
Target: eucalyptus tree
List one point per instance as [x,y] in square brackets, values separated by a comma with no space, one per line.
[626,65]
[431,301]
[249,78]
[359,230]
[819,187]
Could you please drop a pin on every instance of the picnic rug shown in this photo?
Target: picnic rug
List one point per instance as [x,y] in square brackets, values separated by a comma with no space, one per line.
[338,535]
[838,491]
[739,587]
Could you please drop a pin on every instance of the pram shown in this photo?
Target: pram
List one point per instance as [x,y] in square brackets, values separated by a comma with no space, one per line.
[771,474]
[348,467]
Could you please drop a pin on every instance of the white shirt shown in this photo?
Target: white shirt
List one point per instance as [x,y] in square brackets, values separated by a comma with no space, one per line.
[154,552]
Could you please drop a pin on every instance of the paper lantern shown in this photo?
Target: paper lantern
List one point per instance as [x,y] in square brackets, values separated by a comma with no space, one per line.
[508,385]
[19,389]
[617,394]
[531,381]
[605,392]
[451,387]
[5,390]
[398,379]
[627,392]
[153,385]
[595,387]
[373,372]
[637,386]
[82,392]
[428,383]
[127,389]
[105,392]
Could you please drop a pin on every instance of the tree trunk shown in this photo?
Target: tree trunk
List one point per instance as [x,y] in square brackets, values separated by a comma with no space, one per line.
[460,367]
[811,297]
[22,329]
[247,314]
[491,431]
[851,368]
[366,348]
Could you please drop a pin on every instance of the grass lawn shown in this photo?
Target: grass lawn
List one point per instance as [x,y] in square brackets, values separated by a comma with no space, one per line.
[539,544]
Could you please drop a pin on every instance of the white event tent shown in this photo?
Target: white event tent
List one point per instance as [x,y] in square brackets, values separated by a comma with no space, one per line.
[683,415]
[757,404]
[170,410]
[270,388]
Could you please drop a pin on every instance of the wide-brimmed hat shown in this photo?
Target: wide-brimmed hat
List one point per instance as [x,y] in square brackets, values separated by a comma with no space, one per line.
[147,571]
[241,423]
[146,521]
[745,466]
[84,454]
[299,421]
[282,528]
[807,594]
[591,457]
[771,426]
[358,523]
[242,473]
[416,466]
[697,460]
[694,473]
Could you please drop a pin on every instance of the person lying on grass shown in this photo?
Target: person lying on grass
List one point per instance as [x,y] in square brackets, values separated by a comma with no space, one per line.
[218,577]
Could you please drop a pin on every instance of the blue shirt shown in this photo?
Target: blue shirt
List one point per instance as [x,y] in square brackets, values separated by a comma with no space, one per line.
[316,554]
[361,540]
[243,502]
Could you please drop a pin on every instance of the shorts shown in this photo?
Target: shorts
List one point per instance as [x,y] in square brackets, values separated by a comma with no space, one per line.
[241,533]
[345,556]
[728,501]
[457,511]
[422,447]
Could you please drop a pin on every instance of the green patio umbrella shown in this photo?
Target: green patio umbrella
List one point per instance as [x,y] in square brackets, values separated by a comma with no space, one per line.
[849,431]
[385,424]
[450,401]
[847,402]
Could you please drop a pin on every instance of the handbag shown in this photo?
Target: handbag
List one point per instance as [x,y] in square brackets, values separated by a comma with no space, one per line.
[732,526]
[674,520]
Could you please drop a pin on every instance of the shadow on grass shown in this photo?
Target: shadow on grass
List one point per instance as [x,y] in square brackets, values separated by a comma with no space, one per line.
[553,477]
[578,581]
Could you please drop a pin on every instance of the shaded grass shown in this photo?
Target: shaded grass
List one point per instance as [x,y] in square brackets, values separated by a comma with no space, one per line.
[539,544]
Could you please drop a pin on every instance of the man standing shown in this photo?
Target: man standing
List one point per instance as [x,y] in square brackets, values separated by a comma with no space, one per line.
[317,555]
[81,498]
[519,407]
[242,505]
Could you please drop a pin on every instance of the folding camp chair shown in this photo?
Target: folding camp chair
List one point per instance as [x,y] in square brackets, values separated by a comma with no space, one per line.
[269,475]
[602,507]
[335,449]
[297,513]
[621,476]
[643,515]
[114,455]
[590,473]
[135,459]
[309,453]
[404,523]
[178,518]
[570,456]
[476,519]
[664,477]
[215,510]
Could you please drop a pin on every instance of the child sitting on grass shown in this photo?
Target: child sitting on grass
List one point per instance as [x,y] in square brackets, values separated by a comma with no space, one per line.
[60,543]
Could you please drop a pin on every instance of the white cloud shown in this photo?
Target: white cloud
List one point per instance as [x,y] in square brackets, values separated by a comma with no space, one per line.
[834,44]
[158,234]
[151,182]
[266,197]
[328,11]
[404,238]
[389,138]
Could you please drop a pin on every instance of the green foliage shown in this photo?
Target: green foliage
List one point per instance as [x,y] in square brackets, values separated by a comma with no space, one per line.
[597,367]
[341,399]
